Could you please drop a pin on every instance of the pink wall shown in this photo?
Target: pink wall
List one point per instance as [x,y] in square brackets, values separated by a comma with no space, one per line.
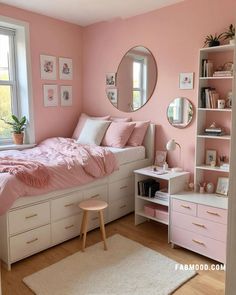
[58,38]
[174,35]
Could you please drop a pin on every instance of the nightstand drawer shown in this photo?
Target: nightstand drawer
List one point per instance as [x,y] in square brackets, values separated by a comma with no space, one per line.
[184,207]
[213,214]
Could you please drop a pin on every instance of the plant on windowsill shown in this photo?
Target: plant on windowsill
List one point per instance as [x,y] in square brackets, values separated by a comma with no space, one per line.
[18,127]
[212,41]
[230,34]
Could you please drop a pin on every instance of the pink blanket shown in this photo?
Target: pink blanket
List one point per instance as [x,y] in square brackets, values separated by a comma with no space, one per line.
[69,164]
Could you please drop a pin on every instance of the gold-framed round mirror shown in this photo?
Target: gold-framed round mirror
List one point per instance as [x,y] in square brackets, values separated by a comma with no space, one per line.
[180,112]
[135,80]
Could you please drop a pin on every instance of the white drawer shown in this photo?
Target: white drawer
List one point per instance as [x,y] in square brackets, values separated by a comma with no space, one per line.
[28,218]
[31,242]
[93,219]
[121,189]
[99,192]
[66,228]
[120,208]
[66,206]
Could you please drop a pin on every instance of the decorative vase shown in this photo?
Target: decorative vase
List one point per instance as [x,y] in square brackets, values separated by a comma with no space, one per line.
[18,138]
[214,43]
[232,41]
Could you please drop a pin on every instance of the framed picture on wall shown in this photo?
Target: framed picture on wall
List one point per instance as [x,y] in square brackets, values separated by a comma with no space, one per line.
[111,79]
[66,96]
[50,95]
[112,95]
[48,67]
[222,186]
[65,68]
[186,80]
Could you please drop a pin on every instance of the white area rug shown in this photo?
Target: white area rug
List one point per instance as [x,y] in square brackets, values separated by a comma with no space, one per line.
[127,268]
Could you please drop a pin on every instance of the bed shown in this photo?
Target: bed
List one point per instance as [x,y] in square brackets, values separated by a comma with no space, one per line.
[35,223]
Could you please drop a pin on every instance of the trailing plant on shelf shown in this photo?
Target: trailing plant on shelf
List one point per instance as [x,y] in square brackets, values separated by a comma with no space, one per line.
[230,34]
[212,41]
[18,127]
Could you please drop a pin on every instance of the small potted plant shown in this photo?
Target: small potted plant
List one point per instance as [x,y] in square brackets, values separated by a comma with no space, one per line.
[18,127]
[230,34]
[212,41]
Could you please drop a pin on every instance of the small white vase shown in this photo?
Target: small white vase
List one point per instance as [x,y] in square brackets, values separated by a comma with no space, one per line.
[232,41]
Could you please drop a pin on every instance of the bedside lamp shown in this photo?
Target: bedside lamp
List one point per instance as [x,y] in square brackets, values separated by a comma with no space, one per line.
[171,146]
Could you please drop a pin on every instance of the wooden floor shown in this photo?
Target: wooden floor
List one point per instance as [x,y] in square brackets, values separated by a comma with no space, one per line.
[150,234]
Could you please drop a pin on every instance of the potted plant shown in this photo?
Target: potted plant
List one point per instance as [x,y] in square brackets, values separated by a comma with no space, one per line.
[230,34]
[212,41]
[18,127]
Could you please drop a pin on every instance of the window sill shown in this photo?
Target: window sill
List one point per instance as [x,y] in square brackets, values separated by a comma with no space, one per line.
[16,146]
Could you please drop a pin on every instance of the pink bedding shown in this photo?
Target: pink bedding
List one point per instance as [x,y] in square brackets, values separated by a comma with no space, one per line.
[68,163]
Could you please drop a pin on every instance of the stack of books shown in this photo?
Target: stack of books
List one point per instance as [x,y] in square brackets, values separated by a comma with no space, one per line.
[162,195]
[209,98]
[222,74]
[207,68]
[148,187]
[214,131]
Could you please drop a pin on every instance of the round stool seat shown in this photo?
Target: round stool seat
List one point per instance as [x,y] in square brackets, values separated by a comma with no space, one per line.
[93,205]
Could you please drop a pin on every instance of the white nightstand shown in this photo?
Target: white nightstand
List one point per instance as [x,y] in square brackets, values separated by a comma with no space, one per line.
[174,182]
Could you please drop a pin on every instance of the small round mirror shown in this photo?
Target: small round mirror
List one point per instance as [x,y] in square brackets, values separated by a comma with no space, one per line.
[180,112]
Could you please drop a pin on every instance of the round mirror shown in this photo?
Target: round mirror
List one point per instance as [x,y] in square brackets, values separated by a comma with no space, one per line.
[135,80]
[180,112]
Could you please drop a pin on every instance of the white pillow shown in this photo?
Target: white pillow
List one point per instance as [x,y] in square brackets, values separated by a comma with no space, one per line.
[93,131]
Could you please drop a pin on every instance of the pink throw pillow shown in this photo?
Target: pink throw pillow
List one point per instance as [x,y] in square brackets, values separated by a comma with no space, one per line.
[118,134]
[118,119]
[82,119]
[138,134]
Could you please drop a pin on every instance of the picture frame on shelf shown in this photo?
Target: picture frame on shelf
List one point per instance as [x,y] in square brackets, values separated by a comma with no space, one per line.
[65,68]
[48,67]
[50,95]
[186,80]
[111,79]
[160,158]
[210,157]
[66,95]
[222,187]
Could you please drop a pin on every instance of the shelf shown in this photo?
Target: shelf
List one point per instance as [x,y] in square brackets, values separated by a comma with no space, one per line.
[216,78]
[141,213]
[209,168]
[154,200]
[221,137]
[221,48]
[214,110]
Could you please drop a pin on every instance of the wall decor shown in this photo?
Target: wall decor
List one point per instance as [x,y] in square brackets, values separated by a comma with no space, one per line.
[111,79]
[66,95]
[160,158]
[222,186]
[50,95]
[186,80]
[112,95]
[65,68]
[211,157]
[48,67]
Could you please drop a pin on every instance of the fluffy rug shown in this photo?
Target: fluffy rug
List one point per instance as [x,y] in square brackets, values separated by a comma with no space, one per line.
[127,268]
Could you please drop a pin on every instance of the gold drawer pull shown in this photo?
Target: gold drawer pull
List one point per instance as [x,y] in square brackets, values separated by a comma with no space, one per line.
[32,241]
[213,213]
[31,216]
[69,205]
[94,218]
[198,242]
[199,225]
[186,207]
[69,226]
[122,207]
[125,186]
[94,196]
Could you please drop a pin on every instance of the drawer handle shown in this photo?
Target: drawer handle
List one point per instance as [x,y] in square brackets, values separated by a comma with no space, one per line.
[32,241]
[186,207]
[69,205]
[198,242]
[123,187]
[94,196]
[69,226]
[213,213]
[199,225]
[122,207]
[94,218]
[31,216]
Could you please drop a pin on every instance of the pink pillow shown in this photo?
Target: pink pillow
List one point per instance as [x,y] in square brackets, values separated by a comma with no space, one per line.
[82,119]
[138,134]
[117,119]
[118,134]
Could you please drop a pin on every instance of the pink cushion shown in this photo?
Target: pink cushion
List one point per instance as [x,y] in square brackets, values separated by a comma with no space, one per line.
[82,119]
[138,134]
[118,134]
[117,119]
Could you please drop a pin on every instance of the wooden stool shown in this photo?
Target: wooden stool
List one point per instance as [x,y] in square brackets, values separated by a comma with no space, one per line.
[92,205]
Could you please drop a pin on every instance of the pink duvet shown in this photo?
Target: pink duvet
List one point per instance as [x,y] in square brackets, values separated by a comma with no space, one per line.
[68,163]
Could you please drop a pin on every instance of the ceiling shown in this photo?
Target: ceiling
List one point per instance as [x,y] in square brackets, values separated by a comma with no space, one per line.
[86,12]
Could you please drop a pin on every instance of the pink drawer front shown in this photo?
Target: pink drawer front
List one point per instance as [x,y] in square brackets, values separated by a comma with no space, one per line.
[200,226]
[184,207]
[213,214]
[198,243]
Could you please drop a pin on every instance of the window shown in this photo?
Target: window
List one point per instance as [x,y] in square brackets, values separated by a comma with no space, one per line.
[8,87]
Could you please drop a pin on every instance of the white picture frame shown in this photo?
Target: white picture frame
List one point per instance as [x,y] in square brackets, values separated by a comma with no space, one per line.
[65,68]
[111,79]
[222,187]
[210,157]
[50,95]
[186,80]
[112,95]
[48,67]
[160,158]
[66,95]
